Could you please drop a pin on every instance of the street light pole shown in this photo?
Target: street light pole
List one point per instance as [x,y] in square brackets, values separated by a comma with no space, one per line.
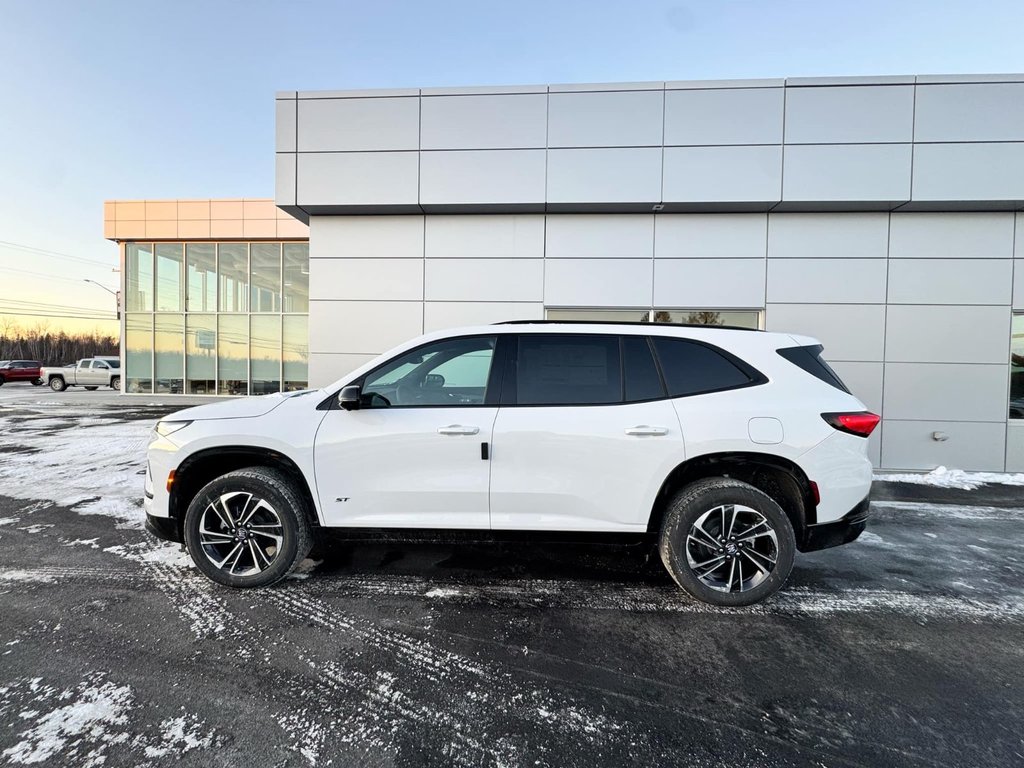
[115,294]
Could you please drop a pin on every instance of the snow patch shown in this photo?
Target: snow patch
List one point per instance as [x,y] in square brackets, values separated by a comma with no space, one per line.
[940,477]
[26,576]
[442,592]
[9,520]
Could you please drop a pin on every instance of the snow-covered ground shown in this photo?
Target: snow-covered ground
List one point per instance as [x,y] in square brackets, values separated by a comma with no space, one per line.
[941,477]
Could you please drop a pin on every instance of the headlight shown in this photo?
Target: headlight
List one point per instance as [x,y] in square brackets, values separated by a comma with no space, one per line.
[164,428]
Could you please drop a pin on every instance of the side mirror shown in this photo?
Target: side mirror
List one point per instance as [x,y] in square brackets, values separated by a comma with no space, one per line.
[348,398]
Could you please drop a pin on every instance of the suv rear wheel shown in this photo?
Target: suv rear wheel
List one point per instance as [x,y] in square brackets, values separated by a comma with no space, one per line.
[726,542]
[248,528]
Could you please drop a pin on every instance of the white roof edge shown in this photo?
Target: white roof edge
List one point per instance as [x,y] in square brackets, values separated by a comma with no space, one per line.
[799,82]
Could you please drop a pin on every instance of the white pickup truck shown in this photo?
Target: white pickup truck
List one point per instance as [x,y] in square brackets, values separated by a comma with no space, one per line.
[91,373]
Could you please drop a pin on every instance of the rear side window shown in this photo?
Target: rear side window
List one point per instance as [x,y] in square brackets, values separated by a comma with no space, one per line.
[640,372]
[568,370]
[809,359]
[691,368]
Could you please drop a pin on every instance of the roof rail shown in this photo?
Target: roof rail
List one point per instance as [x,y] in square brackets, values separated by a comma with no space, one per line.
[628,322]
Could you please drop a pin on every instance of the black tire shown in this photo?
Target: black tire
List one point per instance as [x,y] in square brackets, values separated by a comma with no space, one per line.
[92,389]
[288,508]
[115,383]
[717,498]
[37,382]
[1,381]
[57,384]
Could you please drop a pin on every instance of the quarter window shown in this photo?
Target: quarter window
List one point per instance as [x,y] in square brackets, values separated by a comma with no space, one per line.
[692,368]
[452,372]
[568,370]
[641,378]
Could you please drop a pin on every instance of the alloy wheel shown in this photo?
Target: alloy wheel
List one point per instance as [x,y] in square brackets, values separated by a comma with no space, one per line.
[732,548]
[240,533]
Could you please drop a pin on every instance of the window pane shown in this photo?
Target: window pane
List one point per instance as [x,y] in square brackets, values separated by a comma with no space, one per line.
[451,372]
[202,277]
[169,265]
[691,368]
[233,268]
[266,277]
[600,315]
[740,318]
[1017,368]
[296,353]
[169,346]
[265,354]
[233,355]
[296,277]
[200,357]
[139,258]
[641,374]
[568,370]
[138,353]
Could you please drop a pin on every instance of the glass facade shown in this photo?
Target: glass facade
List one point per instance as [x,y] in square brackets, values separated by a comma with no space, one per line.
[216,318]
[1017,368]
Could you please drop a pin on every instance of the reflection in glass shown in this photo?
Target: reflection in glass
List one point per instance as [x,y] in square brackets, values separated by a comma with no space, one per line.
[139,282]
[296,352]
[266,277]
[296,277]
[139,353]
[169,265]
[265,354]
[1017,368]
[740,318]
[202,277]
[233,268]
[169,352]
[233,355]
[201,354]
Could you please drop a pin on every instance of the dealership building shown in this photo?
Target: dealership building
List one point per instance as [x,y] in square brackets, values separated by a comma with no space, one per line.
[881,215]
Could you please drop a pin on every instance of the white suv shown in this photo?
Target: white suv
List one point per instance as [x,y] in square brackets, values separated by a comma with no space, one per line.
[733,448]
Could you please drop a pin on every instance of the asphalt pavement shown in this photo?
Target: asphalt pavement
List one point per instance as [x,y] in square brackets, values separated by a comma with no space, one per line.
[902,649]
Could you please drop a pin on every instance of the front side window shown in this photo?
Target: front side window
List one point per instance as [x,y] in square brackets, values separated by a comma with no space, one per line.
[1017,368]
[568,370]
[691,368]
[452,372]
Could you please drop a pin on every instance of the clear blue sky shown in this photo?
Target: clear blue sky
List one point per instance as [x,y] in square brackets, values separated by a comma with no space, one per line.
[134,99]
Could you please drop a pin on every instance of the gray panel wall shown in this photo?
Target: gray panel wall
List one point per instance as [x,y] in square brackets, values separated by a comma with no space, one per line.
[799,144]
[913,309]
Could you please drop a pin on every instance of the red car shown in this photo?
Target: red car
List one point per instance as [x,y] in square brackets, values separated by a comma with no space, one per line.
[21,370]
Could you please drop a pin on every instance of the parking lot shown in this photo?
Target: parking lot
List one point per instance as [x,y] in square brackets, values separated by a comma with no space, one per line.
[902,649]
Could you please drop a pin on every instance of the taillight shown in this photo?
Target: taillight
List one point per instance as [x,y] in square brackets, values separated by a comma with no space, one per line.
[861,424]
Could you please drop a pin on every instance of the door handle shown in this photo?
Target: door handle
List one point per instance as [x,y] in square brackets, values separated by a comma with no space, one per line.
[457,429]
[642,430]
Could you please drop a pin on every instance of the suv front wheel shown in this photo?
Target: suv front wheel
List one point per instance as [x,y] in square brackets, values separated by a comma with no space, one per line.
[726,542]
[248,528]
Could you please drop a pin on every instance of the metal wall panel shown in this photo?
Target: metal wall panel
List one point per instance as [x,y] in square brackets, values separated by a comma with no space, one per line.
[710,235]
[947,334]
[354,125]
[378,237]
[513,176]
[598,282]
[438,315]
[950,281]
[975,112]
[357,178]
[514,121]
[364,327]
[604,175]
[605,119]
[977,446]
[716,116]
[821,281]
[499,236]
[963,173]
[484,279]
[366,279]
[837,172]
[854,332]
[936,391]
[749,174]
[577,236]
[710,283]
[828,235]
[853,114]
[951,236]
